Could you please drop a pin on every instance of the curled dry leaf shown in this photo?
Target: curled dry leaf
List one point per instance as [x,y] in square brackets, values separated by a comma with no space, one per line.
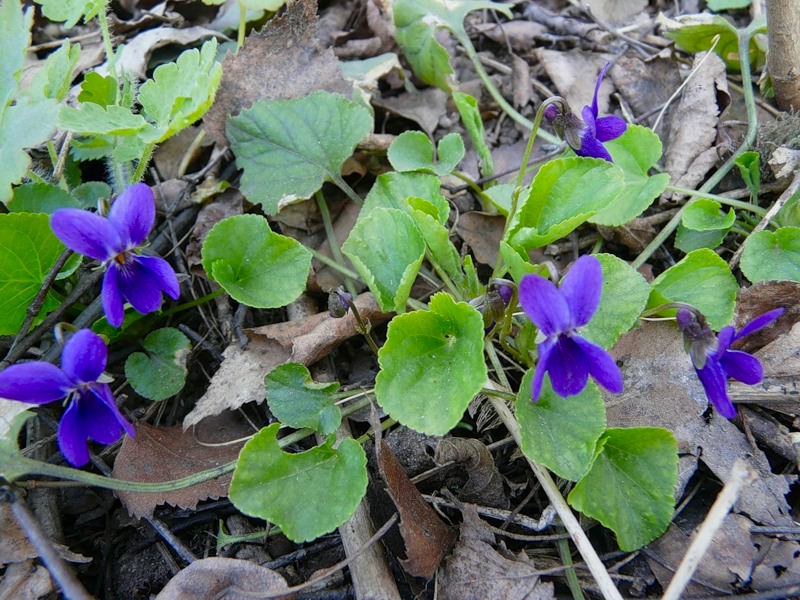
[573,74]
[284,60]
[485,484]
[476,570]
[426,537]
[425,107]
[228,578]
[240,378]
[166,453]
[15,546]
[483,233]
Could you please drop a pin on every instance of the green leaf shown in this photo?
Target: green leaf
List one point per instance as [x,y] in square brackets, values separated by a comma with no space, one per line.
[565,193]
[71,11]
[181,92]
[98,89]
[517,261]
[413,151]
[270,5]
[636,151]
[707,215]
[688,240]
[307,494]
[93,119]
[41,198]
[255,265]
[630,485]
[750,170]
[623,299]
[298,401]
[471,117]
[567,451]
[696,33]
[87,194]
[703,280]
[436,236]
[14,464]
[432,365]
[15,28]
[720,5]
[28,250]
[416,22]
[289,148]
[161,373]
[53,80]
[501,196]
[772,255]
[387,249]
[390,190]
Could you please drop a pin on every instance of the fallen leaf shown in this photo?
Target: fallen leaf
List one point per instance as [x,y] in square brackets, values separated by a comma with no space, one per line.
[26,581]
[284,60]
[483,233]
[485,484]
[521,81]
[646,85]
[15,546]
[425,107]
[574,74]
[762,297]
[778,563]
[240,378]
[521,35]
[166,453]
[228,578]
[476,570]
[616,11]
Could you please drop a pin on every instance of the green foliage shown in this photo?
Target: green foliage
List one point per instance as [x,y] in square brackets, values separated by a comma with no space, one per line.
[432,365]
[772,255]
[567,451]
[564,194]
[413,151]
[703,280]
[636,151]
[720,5]
[71,11]
[471,117]
[93,119]
[387,249]
[748,164]
[98,89]
[255,265]
[436,236]
[54,78]
[517,261]
[501,196]
[289,148]
[629,487]
[41,198]
[28,250]
[161,372]
[307,494]
[298,401]
[390,190]
[703,225]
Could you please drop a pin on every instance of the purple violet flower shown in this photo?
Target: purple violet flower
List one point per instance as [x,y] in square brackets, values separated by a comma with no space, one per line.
[138,279]
[586,137]
[558,313]
[92,411]
[719,361]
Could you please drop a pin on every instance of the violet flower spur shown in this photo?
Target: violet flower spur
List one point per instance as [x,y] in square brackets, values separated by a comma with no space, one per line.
[586,137]
[91,411]
[138,279]
[720,362]
[558,313]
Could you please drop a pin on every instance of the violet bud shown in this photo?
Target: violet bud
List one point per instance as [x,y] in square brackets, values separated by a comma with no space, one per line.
[339,303]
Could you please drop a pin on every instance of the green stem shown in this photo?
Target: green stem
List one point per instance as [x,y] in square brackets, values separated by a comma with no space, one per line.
[572,577]
[138,175]
[448,283]
[750,136]
[486,203]
[332,241]
[721,199]
[108,45]
[342,185]
[192,303]
[328,261]
[242,25]
[498,394]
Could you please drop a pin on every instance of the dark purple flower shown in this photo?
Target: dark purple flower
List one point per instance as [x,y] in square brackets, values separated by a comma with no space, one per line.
[586,137]
[138,279]
[558,313]
[720,362]
[339,303]
[92,411]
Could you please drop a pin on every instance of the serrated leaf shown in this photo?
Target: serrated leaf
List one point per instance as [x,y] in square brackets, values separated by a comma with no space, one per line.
[298,401]
[413,151]
[703,280]
[623,299]
[432,365]
[471,118]
[161,373]
[707,215]
[416,22]
[390,190]
[15,27]
[98,89]
[54,78]
[87,194]
[71,11]
[567,451]
[93,119]
[289,148]
[517,261]
[437,237]
[307,494]
[28,249]
[387,249]
[565,193]
[255,265]
[41,198]
[635,152]
[688,240]
[772,255]
[630,485]
[181,92]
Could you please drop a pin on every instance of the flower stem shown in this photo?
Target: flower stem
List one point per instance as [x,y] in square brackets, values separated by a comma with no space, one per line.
[342,185]
[328,261]
[138,175]
[192,303]
[242,25]
[102,16]
[721,199]
[486,203]
[332,241]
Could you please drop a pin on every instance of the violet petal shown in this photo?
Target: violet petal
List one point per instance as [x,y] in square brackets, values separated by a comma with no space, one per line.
[86,233]
[140,285]
[72,437]
[84,356]
[597,88]
[568,368]
[163,272]
[545,352]
[581,288]
[742,366]
[589,118]
[609,128]
[602,365]
[714,380]
[100,417]
[34,382]
[759,322]
[544,304]
[133,214]
[592,148]
[112,298]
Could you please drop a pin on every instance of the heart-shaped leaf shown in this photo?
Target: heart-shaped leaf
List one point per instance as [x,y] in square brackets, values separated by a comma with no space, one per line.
[298,401]
[161,373]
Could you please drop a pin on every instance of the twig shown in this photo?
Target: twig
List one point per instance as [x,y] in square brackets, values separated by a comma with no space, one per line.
[178,546]
[740,475]
[548,514]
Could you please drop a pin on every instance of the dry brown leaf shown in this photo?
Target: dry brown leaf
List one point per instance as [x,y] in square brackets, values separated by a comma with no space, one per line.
[166,453]
[426,537]
[521,81]
[616,11]
[645,85]
[762,297]
[425,107]
[15,546]
[662,390]
[227,204]
[574,74]
[229,578]
[26,581]
[521,35]
[240,378]
[169,155]
[483,233]
[777,565]
[476,570]
[284,60]
[485,484]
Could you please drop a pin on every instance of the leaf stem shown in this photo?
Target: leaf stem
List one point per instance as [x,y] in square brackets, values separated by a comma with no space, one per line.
[242,25]
[102,16]
[343,185]
[486,203]
[721,199]
[328,261]
[192,303]
[332,241]
[147,154]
